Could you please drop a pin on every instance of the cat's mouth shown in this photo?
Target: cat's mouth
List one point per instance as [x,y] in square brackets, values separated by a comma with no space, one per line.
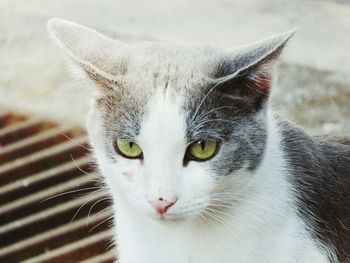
[168,218]
[171,218]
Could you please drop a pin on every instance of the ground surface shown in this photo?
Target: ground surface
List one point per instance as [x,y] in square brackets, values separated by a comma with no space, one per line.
[314,79]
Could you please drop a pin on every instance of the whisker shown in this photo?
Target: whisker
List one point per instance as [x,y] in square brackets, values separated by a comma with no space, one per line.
[215,217]
[98,201]
[87,201]
[104,210]
[83,171]
[210,120]
[69,192]
[218,212]
[69,138]
[102,222]
[202,101]
[203,115]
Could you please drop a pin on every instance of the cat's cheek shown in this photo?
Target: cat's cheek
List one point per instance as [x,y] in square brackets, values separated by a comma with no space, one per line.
[199,180]
[133,174]
[119,174]
[128,176]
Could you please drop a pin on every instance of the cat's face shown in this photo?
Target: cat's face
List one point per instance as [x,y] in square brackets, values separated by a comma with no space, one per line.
[177,131]
[166,124]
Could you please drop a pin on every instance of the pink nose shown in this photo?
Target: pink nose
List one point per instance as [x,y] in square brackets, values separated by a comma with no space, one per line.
[162,205]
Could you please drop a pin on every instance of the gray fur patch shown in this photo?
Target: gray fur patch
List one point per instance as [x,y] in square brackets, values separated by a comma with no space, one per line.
[241,132]
[320,175]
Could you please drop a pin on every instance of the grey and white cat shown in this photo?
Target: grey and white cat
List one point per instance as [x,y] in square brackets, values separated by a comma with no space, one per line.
[200,168]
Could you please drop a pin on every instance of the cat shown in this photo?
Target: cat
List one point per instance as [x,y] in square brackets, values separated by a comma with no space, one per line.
[200,169]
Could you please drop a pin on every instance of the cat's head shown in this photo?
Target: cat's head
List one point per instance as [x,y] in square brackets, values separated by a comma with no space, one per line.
[177,130]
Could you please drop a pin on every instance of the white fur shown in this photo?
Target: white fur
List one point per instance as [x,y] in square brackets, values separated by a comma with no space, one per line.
[262,228]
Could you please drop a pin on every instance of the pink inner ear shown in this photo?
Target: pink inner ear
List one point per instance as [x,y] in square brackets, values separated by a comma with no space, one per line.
[263,75]
[264,82]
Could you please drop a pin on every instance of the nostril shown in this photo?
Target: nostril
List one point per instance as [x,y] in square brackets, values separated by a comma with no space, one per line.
[163,206]
[169,205]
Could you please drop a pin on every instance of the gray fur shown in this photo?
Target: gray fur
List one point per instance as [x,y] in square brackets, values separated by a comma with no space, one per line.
[321,177]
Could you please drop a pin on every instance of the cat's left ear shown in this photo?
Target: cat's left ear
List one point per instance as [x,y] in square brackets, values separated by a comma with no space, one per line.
[248,71]
[96,56]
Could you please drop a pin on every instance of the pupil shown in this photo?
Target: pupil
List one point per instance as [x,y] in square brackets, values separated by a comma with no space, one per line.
[202,145]
[131,144]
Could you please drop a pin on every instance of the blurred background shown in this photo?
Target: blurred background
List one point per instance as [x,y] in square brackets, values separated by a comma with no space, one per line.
[51,208]
[313,86]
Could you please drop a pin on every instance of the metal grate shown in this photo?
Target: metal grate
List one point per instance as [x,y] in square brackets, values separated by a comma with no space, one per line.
[50,210]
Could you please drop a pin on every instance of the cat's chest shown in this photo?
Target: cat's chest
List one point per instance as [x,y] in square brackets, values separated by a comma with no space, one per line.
[143,242]
[246,241]
[216,249]
[173,248]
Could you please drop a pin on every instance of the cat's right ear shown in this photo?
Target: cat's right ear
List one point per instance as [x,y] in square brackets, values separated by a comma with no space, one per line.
[95,56]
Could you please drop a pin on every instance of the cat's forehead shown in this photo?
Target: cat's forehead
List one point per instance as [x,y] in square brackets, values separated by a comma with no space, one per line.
[152,69]
[165,61]
[163,79]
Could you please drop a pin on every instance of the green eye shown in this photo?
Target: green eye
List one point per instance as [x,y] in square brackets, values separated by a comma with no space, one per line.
[202,150]
[128,149]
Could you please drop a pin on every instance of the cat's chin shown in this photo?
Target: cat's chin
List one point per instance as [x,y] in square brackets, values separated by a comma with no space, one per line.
[168,219]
